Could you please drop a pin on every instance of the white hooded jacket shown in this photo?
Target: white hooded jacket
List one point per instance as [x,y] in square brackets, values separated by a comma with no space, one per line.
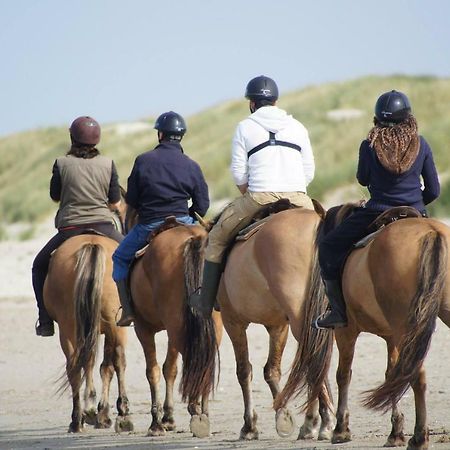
[274,168]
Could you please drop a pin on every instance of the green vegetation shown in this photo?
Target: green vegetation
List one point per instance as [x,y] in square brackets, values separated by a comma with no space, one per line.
[26,159]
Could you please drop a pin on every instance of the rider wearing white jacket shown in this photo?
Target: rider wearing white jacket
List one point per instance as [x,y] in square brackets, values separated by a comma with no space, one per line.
[271,159]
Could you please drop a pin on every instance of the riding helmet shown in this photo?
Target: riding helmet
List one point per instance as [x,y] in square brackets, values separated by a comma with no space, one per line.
[171,123]
[261,88]
[85,130]
[392,107]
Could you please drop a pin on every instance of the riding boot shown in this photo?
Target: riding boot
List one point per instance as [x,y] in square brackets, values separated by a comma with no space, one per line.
[125,300]
[336,317]
[44,326]
[203,301]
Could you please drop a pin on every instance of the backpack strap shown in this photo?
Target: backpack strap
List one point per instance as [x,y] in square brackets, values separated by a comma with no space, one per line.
[273,141]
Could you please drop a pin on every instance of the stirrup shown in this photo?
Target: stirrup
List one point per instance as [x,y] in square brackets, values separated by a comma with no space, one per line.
[125,320]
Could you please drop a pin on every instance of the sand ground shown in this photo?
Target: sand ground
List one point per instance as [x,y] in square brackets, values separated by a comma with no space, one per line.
[33,416]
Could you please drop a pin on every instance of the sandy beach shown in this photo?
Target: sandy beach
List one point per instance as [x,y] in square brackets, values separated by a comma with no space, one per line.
[33,416]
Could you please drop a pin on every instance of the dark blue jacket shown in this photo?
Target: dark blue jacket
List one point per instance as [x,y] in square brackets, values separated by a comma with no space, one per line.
[388,189]
[163,180]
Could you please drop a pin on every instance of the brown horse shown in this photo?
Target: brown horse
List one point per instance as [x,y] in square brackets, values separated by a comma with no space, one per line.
[161,282]
[81,296]
[267,280]
[395,287]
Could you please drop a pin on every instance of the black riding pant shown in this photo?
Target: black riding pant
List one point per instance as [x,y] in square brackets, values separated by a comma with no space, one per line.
[335,246]
[42,260]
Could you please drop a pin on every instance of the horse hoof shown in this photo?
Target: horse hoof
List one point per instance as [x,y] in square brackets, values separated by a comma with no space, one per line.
[155,431]
[249,435]
[169,426]
[341,438]
[75,428]
[90,417]
[200,426]
[284,423]
[102,424]
[123,424]
[398,441]
[325,435]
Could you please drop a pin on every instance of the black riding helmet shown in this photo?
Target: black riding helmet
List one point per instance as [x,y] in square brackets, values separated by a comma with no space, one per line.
[171,125]
[392,107]
[261,88]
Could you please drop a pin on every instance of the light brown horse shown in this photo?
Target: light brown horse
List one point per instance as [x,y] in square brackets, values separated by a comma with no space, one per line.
[267,280]
[161,282]
[395,287]
[81,296]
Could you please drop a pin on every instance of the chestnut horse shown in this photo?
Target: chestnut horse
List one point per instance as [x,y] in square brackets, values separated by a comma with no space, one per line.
[81,296]
[161,282]
[267,280]
[395,287]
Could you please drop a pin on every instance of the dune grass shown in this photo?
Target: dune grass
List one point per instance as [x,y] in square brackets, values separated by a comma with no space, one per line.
[26,159]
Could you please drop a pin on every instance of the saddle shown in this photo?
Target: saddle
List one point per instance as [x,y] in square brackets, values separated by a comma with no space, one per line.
[169,222]
[264,215]
[389,216]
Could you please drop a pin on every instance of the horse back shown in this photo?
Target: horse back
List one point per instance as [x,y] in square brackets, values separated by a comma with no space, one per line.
[266,276]
[157,280]
[60,281]
[380,280]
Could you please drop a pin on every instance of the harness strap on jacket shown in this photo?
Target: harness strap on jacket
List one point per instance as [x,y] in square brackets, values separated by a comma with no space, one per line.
[273,141]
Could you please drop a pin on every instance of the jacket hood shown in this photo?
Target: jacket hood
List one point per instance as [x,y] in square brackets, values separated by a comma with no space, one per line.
[271,118]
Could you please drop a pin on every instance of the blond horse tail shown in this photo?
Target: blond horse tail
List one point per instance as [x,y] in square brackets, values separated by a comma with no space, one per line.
[423,311]
[310,367]
[88,287]
[200,343]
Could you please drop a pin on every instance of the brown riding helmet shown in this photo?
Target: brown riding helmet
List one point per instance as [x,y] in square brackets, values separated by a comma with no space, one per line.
[85,130]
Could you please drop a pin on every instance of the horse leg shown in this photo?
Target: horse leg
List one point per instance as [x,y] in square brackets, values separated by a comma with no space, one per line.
[238,337]
[326,414]
[90,407]
[170,373]
[123,421]
[106,374]
[272,374]
[153,374]
[76,425]
[345,340]
[310,427]
[419,440]
[396,438]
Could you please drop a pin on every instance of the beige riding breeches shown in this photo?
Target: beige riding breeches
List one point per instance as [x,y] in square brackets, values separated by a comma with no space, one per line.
[239,213]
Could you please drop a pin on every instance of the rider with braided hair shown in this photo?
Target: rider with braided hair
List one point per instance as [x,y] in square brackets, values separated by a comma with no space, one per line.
[392,161]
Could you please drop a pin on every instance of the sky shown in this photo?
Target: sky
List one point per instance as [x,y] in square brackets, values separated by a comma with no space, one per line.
[128,60]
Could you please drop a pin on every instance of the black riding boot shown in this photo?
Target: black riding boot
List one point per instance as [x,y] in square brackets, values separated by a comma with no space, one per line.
[44,326]
[203,301]
[336,317]
[125,300]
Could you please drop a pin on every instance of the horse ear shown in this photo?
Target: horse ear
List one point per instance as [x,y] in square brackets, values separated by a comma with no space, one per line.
[320,210]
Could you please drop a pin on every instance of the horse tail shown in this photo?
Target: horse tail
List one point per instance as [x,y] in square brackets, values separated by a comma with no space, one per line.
[88,287]
[312,361]
[200,343]
[421,323]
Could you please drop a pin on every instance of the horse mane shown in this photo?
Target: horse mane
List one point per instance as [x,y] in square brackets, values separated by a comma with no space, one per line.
[337,214]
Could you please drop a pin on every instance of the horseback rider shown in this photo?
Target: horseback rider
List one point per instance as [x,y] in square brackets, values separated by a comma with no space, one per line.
[160,184]
[392,160]
[271,159]
[86,185]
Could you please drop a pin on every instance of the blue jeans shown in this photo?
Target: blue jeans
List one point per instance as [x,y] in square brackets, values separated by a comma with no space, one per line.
[133,241]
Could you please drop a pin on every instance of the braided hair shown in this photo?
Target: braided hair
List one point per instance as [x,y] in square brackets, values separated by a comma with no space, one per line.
[396,145]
